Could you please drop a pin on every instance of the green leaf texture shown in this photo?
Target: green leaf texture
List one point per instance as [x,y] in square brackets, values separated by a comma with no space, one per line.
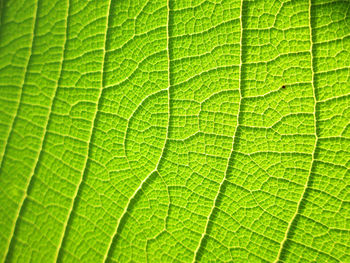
[175,131]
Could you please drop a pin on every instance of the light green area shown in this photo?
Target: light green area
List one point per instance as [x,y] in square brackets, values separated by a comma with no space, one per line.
[175,131]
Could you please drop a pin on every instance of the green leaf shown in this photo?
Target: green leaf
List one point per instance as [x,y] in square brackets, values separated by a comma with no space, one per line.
[175,131]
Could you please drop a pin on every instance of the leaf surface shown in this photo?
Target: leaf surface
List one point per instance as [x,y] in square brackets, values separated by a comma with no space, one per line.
[175,131]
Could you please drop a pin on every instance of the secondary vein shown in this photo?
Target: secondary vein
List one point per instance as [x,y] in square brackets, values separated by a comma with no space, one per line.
[125,211]
[307,183]
[58,251]
[6,253]
[210,215]
[21,85]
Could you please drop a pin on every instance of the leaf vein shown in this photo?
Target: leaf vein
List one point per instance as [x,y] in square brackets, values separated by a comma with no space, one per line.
[84,170]
[211,213]
[308,180]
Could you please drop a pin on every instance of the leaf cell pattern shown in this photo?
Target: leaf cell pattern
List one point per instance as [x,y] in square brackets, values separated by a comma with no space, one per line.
[175,131]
